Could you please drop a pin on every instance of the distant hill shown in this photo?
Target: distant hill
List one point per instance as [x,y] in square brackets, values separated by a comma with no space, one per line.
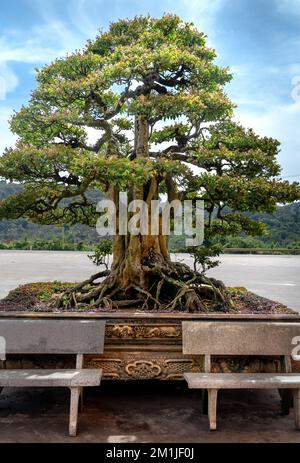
[25,234]
[284,231]
[284,225]
[8,189]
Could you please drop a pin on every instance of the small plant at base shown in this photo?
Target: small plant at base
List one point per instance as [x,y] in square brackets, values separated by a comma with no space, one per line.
[102,253]
[202,256]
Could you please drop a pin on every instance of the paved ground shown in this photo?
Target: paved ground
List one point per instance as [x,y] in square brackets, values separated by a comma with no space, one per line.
[150,412]
[276,277]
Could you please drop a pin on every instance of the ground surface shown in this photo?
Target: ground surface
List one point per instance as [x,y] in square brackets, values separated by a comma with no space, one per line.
[274,277]
[38,297]
[150,412]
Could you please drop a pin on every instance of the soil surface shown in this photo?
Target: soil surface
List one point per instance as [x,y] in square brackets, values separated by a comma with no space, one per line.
[38,297]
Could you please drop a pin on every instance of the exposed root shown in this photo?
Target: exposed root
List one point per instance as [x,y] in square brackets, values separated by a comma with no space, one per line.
[170,287]
[158,291]
[91,280]
[148,296]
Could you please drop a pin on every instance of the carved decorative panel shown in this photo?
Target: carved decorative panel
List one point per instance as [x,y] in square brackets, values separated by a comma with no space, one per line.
[142,331]
[144,365]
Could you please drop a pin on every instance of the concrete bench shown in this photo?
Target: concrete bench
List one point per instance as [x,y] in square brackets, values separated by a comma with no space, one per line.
[77,337]
[247,338]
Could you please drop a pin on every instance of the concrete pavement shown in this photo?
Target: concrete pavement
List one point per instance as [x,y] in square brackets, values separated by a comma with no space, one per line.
[276,277]
[148,412]
[143,412]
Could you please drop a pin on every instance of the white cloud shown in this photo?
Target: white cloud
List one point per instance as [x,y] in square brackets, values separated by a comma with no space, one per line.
[85,22]
[266,99]
[39,45]
[290,7]
[53,37]
[7,139]
[260,87]
[8,81]
[42,44]
[280,122]
[26,51]
[201,12]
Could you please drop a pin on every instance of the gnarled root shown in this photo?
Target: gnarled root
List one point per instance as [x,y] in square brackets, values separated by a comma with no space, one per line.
[170,287]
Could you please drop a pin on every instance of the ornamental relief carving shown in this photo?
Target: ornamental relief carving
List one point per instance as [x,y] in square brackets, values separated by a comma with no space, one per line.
[142,331]
[143,369]
[142,366]
[137,367]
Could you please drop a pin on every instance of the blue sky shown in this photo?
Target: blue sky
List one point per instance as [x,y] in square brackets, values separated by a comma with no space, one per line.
[258,39]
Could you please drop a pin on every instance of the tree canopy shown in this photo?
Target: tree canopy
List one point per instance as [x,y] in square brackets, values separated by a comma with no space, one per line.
[149,94]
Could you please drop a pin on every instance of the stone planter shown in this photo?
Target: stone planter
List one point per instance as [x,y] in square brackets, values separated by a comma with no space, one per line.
[145,346]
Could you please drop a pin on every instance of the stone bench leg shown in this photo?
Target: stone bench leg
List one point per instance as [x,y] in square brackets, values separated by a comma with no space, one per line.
[286,400]
[297,407]
[204,401]
[1,388]
[81,400]
[212,408]
[75,393]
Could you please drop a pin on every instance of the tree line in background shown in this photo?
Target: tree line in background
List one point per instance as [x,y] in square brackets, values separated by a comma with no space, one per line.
[283,231]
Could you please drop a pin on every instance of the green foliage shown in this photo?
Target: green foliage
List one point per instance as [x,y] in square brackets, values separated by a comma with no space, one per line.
[162,71]
[243,242]
[203,257]
[283,231]
[102,253]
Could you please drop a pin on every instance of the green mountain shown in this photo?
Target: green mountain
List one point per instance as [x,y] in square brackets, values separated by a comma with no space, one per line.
[284,231]
[21,234]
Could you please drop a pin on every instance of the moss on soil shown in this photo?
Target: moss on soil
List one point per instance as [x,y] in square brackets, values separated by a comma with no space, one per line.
[36,297]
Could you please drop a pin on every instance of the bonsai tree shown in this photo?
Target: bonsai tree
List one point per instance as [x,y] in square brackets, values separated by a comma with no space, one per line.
[150,95]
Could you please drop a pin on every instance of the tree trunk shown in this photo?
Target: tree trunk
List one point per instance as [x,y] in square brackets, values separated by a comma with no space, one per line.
[133,253]
[142,273]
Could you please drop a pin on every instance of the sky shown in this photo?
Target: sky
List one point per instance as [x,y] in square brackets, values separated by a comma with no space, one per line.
[258,39]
